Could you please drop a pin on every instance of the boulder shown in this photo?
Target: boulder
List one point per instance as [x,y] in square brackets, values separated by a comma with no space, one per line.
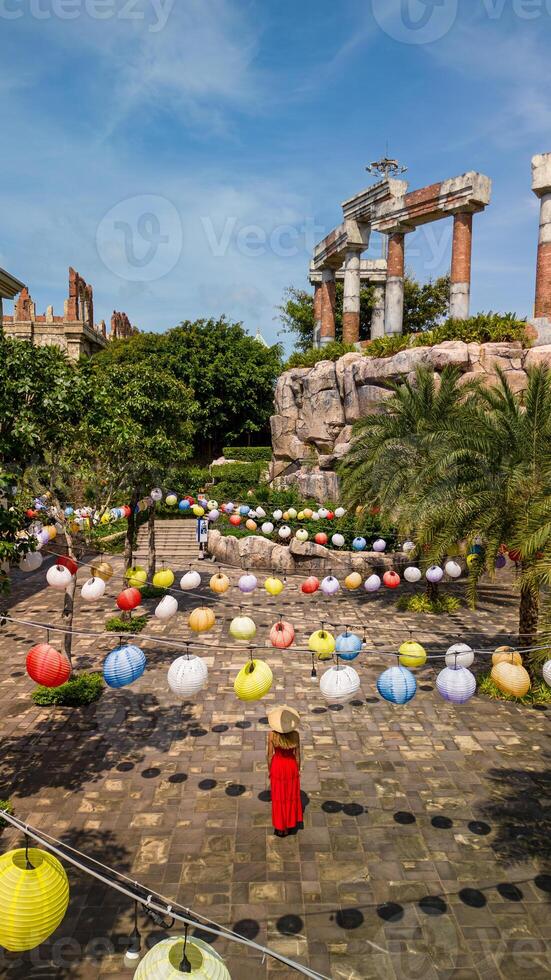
[224,549]
[255,552]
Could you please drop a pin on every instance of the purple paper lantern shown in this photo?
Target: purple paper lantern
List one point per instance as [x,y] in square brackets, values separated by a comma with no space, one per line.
[456,684]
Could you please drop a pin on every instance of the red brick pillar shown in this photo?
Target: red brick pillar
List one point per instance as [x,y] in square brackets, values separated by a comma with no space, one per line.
[394,297]
[351,301]
[317,313]
[460,286]
[541,185]
[327,332]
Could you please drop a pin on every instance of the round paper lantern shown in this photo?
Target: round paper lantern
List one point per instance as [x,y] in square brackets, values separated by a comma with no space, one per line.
[235,520]
[167,608]
[379,545]
[102,570]
[456,684]
[251,525]
[348,645]
[129,599]
[397,685]
[434,574]
[213,515]
[412,575]
[187,676]
[43,537]
[315,516]
[244,510]
[473,560]
[301,516]
[163,961]
[308,513]
[323,512]
[198,510]
[501,561]
[163,579]
[69,511]
[412,654]
[124,665]
[93,589]
[391,580]
[105,518]
[321,538]
[330,515]
[184,505]
[33,900]
[156,494]
[330,585]
[292,513]
[302,534]
[172,500]
[339,684]
[243,628]
[51,532]
[506,655]
[453,569]
[511,679]
[353,581]
[31,562]
[201,620]
[277,515]
[58,577]
[274,586]
[284,532]
[282,635]
[267,527]
[359,544]
[247,583]
[338,540]
[459,655]
[547,672]
[372,584]
[219,583]
[228,508]
[190,581]
[47,666]
[322,643]
[260,512]
[340,512]
[310,586]
[408,547]
[136,577]
[68,563]
[253,681]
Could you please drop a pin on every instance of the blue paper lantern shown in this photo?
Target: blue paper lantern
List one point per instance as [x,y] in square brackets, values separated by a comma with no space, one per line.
[348,646]
[123,666]
[501,561]
[456,684]
[397,685]
[244,510]
[69,511]
[359,544]
[184,505]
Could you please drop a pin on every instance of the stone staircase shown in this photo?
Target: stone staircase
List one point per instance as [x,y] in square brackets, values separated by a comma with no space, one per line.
[174,541]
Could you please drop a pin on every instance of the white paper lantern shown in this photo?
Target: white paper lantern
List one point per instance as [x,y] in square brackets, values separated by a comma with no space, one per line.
[372,584]
[301,534]
[260,512]
[460,655]
[212,504]
[31,561]
[247,583]
[379,545]
[340,512]
[338,540]
[339,684]
[277,515]
[167,608]
[434,574]
[190,581]
[285,532]
[323,512]
[330,585]
[408,547]
[187,676]
[93,589]
[267,527]
[412,575]
[452,569]
[547,672]
[58,577]
[157,494]
[315,516]
[164,959]
[456,684]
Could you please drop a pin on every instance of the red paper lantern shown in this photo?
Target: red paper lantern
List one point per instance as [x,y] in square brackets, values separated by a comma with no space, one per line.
[310,586]
[69,563]
[126,510]
[47,666]
[235,520]
[190,500]
[31,513]
[391,580]
[330,516]
[321,538]
[282,635]
[514,555]
[129,599]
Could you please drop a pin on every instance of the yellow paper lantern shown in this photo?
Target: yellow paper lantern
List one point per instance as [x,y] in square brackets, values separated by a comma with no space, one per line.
[301,515]
[219,583]
[511,679]
[163,579]
[307,513]
[136,577]
[274,586]
[353,581]
[506,655]
[33,902]
[51,531]
[163,961]
[201,619]
[104,519]
[102,569]
[412,654]
[322,643]
[198,510]
[253,681]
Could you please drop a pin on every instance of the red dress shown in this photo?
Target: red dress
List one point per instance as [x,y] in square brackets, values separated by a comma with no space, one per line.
[285,783]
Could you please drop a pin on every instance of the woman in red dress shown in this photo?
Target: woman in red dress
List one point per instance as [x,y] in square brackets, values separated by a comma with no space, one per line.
[283,754]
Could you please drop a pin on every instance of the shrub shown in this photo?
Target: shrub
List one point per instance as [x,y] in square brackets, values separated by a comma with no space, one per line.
[5,807]
[423,604]
[308,358]
[483,328]
[152,592]
[248,454]
[119,625]
[76,693]
[539,694]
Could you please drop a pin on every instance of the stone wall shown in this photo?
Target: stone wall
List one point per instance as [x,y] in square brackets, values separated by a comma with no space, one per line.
[315,408]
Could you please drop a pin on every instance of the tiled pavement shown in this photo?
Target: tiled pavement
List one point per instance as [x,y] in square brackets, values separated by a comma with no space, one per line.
[426,845]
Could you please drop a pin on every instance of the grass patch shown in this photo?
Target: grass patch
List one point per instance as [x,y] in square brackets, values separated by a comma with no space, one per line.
[422,604]
[5,807]
[311,357]
[540,693]
[76,693]
[483,328]
[119,625]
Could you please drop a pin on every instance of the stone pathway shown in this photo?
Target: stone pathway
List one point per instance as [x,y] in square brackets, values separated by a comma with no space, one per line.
[426,846]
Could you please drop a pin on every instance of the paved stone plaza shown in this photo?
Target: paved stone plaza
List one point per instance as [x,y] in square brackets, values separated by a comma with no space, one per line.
[426,846]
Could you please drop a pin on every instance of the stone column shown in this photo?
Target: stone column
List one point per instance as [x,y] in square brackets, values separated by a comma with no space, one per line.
[394,300]
[351,300]
[327,332]
[541,185]
[460,285]
[317,313]
[378,313]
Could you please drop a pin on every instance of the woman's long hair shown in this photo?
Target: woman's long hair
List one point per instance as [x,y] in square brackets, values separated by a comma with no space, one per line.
[289,741]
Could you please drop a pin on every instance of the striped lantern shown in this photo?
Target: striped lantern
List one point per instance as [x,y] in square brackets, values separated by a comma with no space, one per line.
[412,654]
[164,960]
[282,635]
[47,666]
[397,685]
[219,583]
[340,684]
[33,901]
[459,655]
[348,646]
[456,684]
[253,681]
[322,643]
[353,581]
[372,584]
[511,679]
[201,620]
[547,672]
[123,666]
[187,676]
[274,586]
[506,655]
[247,583]
[243,628]
[102,569]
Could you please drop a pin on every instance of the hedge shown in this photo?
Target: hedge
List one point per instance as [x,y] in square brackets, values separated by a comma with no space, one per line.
[248,454]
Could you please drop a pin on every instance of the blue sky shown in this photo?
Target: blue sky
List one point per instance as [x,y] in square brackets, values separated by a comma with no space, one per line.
[184,155]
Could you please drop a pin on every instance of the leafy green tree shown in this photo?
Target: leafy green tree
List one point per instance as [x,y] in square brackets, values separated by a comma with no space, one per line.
[425,304]
[297,314]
